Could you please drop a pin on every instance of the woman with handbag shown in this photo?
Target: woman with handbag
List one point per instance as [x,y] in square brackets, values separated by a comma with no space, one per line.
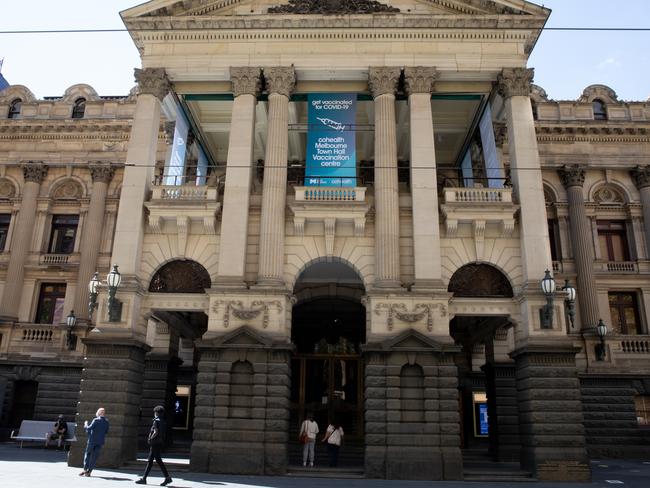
[308,432]
[333,438]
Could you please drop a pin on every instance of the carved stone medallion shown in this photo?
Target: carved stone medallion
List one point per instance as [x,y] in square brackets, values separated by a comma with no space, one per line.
[607,195]
[69,190]
[7,189]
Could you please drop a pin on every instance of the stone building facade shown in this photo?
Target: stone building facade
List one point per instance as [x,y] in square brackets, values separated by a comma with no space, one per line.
[407,306]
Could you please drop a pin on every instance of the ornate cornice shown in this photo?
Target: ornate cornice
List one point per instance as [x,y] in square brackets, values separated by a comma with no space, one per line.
[280,80]
[153,81]
[329,7]
[420,79]
[101,172]
[246,81]
[572,176]
[34,171]
[514,82]
[383,80]
[641,176]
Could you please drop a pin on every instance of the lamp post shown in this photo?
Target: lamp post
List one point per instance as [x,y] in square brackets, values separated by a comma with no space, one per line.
[113,279]
[70,337]
[601,332]
[93,287]
[549,288]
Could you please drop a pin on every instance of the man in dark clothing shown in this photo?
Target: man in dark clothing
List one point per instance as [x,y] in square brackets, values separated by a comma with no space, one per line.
[156,442]
[59,432]
[96,430]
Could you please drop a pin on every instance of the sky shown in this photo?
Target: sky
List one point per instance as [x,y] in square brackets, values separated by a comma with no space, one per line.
[565,62]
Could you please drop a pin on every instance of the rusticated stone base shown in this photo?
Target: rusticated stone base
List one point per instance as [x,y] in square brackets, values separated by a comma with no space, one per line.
[564,471]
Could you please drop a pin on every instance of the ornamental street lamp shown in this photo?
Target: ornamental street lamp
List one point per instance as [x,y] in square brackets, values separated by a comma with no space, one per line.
[70,337]
[113,279]
[549,288]
[93,287]
[601,332]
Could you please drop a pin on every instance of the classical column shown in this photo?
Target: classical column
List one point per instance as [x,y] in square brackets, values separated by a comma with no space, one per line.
[280,82]
[514,87]
[641,175]
[138,173]
[234,220]
[383,84]
[34,173]
[101,174]
[573,177]
[424,188]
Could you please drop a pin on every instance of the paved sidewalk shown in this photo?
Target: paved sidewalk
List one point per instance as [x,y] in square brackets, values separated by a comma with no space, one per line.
[36,467]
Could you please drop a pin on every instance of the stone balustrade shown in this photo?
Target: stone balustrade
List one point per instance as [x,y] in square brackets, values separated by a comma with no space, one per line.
[620,267]
[59,259]
[38,340]
[184,193]
[624,353]
[330,194]
[477,195]
[635,346]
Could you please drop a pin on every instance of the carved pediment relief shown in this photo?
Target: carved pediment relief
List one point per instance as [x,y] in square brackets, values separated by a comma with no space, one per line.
[68,190]
[242,336]
[412,340]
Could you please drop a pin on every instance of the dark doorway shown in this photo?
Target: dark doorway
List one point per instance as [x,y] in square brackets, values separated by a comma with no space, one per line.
[24,402]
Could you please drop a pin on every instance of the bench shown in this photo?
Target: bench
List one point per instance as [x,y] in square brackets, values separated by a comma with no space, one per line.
[38,430]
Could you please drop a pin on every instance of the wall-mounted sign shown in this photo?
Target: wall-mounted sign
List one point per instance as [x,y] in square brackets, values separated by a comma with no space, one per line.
[481,424]
[331,145]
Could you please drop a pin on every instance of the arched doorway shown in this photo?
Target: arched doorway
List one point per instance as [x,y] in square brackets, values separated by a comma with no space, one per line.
[328,329]
[488,405]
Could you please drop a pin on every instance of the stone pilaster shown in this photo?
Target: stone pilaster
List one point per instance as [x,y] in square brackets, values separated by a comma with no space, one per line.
[234,221]
[383,84]
[112,378]
[550,413]
[514,87]
[102,174]
[573,177]
[424,188]
[280,82]
[34,173]
[641,176]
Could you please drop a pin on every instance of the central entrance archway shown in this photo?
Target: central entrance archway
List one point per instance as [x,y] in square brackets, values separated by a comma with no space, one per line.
[328,329]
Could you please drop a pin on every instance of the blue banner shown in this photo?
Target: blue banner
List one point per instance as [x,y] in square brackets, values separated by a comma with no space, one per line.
[331,140]
[176,166]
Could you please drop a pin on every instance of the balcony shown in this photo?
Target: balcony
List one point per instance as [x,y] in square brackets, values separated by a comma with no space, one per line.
[36,340]
[478,207]
[59,260]
[624,353]
[330,207]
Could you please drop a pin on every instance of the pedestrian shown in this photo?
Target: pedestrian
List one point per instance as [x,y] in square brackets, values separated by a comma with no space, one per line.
[156,441]
[59,432]
[308,432]
[96,430]
[333,438]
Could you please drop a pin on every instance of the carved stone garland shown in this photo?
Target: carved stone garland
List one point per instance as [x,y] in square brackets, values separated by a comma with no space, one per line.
[324,7]
[420,311]
[236,309]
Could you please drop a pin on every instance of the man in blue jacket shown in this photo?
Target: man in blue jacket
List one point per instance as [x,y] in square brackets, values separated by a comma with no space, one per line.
[96,430]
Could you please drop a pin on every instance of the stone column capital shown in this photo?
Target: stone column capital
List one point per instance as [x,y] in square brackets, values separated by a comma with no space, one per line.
[34,171]
[420,79]
[101,172]
[641,176]
[153,81]
[383,80]
[280,80]
[513,82]
[246,81]
[572,176]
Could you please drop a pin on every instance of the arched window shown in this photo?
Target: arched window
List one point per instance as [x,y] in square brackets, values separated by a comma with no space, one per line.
[480,280]
[14,108]
[600,112]
[79,108]
[181,277]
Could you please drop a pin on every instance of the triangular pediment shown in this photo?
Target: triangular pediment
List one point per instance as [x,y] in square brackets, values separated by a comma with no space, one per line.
[412,340]
[242,336]
[199,8]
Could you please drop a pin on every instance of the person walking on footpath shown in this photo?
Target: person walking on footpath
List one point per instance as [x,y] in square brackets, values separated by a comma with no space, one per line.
[156,441]
[333,438]
[308,432]
[96,430]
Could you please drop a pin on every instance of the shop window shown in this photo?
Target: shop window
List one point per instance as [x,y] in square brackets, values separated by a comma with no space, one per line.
[600,112]
[553,237]
[79,108]
[14,108]
[612,238]
[64,231]
[5,220]
[624,313]
[642,407]
[50,303]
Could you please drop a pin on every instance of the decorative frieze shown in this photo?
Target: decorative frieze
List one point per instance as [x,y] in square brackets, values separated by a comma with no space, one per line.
[420,312]
[280,80]
[236,309]
[514,82]
[246,81]
[153,81]
[329,7]
[420,79]
[383,80]
[34,171]
[641,176]
[101,172]
[572,175]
